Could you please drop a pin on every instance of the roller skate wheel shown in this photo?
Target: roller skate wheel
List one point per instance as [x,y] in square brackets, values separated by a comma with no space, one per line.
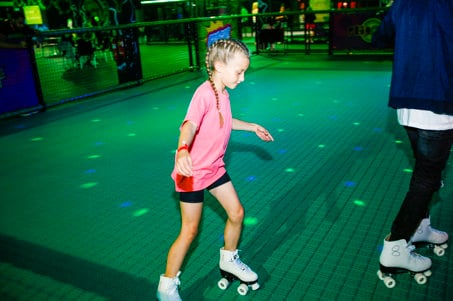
[389,282]
[243,289]
[439,251]
[420,278]
[444,246]
[223,284]
[255,286]
[427,273]
[380,275]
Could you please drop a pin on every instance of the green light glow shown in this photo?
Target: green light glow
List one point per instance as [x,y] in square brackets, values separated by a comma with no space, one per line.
[300,115]
[321,145]
[88,185]
[132,134]
[280,130]
[140,212]
[398,141]
[250,221]
[36,139]
[274,98]
[359,203]
[408,170]
[95,120]
[290,170]
[93,156]
[356,123]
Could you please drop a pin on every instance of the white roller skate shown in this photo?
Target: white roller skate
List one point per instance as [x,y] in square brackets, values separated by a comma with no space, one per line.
[398,257]
[430,237]
[168,288]
[232,268]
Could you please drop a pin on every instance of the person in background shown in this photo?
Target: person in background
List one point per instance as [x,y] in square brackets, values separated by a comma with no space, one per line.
[310,25]
[421,91]
[85,50]
[199,165]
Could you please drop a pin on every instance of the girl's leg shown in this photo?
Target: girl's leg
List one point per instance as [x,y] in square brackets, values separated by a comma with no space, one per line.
[190,218]
[228,198]
[229,262]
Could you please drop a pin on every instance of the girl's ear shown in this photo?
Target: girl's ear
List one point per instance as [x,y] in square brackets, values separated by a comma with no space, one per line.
[218,66]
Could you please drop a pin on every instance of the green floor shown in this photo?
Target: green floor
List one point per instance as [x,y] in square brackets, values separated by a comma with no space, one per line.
[88,212]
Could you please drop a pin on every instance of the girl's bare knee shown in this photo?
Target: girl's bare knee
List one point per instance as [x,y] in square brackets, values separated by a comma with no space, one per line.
[189,233]
[237,216]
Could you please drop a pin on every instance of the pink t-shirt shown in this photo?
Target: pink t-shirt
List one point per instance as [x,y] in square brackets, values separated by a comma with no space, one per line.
[210,142]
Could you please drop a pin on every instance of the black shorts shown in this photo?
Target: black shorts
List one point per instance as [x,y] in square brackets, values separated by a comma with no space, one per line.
[198,196]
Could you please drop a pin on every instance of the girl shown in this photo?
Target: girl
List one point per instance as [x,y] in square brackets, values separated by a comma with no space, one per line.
[199,165]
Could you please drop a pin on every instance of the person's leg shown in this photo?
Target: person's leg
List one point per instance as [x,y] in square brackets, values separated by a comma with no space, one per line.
[228,198]
[169,282]
[431,150]
[230,264]
[190,219]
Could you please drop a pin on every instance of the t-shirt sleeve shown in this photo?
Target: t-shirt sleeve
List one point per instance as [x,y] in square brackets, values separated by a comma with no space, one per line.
[198,107]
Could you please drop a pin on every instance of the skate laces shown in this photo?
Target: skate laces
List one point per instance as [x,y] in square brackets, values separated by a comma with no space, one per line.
[437,231]
[411,248]
[176,279]
[412,253]
[238,261]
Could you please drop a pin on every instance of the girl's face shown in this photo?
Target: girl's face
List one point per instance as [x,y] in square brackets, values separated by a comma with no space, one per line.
[232,74]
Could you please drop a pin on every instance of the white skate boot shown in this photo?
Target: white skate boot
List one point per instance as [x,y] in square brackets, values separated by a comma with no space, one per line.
[232,268]
[430,237]
[399,257]
[168,289]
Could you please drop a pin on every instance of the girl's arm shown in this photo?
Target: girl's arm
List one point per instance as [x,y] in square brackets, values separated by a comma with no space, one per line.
[183,162]
[260,131]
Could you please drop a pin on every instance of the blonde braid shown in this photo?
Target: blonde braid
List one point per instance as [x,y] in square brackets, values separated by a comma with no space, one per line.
[222,51]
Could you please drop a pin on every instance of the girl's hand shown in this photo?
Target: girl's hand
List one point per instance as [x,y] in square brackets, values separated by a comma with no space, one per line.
[183,163]
[263,134]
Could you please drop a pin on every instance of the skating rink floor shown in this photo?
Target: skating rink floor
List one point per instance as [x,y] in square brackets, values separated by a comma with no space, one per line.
[88,209]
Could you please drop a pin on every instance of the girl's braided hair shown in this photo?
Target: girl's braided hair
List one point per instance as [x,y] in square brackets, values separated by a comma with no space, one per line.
[222,51]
